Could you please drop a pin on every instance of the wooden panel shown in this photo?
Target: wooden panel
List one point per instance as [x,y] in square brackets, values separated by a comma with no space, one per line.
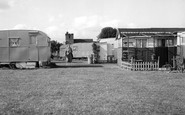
[44,53]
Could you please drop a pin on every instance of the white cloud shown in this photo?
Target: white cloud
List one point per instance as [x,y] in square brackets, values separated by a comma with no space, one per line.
[51,30]
[51,19]
[20,26]
[86,21]
[11,3]
[24,26]
[55,32]
[131,25]
[89,26]
[110,23]
[80,21]
[60,15]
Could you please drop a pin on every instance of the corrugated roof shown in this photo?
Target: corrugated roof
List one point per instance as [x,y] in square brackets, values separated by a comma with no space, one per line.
[149,31]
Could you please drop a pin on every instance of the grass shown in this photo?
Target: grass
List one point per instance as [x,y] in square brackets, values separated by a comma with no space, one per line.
[99,90]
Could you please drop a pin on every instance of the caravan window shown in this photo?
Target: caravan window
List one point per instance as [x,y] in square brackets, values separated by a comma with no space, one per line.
[33,39]
[14,42]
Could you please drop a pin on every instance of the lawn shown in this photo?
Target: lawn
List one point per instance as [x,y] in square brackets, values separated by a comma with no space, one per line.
[95,90]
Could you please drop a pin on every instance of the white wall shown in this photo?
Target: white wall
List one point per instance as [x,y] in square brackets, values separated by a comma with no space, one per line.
[181,38]
[103,51]
[108,40]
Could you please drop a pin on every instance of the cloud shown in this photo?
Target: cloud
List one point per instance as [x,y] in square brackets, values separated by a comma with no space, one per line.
[51,30]
[55,18]
[89,26]
[110,23]
[4,5]
[24,26]
[51,19]
[131,25]
[86,21]
[20,26]
[55,32]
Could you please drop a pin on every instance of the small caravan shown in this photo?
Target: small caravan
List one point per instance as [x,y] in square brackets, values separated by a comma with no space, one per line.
[80,50]
[22,47]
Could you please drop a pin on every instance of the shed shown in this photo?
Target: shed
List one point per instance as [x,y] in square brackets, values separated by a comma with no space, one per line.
[144,43]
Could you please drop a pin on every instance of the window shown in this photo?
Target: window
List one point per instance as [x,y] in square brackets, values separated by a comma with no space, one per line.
[161,43]
[125,44]
[141,43]
[33,39]
[33,36]
[14,42]
[170,42]
[165,42]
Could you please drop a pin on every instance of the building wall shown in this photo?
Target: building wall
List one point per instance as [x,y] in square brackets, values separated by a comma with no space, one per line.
[103,52]
[181,43]
[119,55]
[108,48]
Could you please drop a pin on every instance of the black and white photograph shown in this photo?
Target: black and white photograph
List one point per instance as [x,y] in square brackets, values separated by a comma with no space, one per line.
[92,57]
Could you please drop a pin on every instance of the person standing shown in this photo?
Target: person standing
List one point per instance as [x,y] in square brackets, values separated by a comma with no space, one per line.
[69,54]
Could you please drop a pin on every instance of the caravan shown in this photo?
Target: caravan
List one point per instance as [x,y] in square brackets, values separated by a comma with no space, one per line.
[24,47]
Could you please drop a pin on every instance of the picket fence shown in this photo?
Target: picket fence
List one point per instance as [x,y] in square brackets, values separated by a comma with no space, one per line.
[140,66]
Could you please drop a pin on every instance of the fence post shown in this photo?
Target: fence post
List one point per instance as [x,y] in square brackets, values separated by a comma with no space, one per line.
[158,63]
[173,62]
[131,63]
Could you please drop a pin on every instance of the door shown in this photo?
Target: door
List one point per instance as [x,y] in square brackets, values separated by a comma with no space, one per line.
[162,53]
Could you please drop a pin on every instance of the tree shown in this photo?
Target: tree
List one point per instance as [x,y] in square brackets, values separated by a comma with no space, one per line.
[55,46]
[107,32]
[96,50]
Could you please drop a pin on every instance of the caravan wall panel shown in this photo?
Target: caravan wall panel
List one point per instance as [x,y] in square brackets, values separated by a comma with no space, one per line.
[33,53]
[23,35]
[44,53]
[4,54]
[3,39]
[17,46]
[82,49]
[41,40]
[19,54]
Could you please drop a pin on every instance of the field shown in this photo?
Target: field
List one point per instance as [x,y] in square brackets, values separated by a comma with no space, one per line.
[102,89]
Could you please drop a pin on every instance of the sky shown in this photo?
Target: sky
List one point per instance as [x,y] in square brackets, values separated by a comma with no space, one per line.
[86,18]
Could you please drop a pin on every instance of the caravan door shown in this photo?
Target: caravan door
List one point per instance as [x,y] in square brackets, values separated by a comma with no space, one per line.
[33,49]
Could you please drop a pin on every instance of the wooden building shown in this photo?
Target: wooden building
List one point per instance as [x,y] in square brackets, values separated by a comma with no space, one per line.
[147,44]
